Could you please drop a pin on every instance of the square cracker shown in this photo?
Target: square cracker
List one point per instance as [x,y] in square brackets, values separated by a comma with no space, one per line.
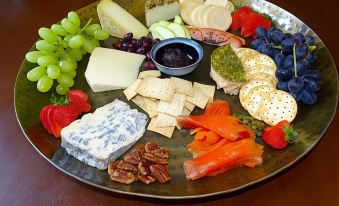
[185,112]
[183,86]
[149,73]
[151,107]
[165,120]
[139,101]
[166,131]
[173,108]
[130,91]
[189,105]
[207,89]
[199,99]
[162,89]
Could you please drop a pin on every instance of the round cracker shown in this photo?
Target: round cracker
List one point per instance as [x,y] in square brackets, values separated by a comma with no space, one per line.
[243,53]
[276,106]
[261,75]
[260,68]
[245,89]
[259,59]
[254,97]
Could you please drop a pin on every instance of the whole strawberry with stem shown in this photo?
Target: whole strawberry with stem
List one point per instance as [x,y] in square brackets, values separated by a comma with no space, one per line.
[280,135]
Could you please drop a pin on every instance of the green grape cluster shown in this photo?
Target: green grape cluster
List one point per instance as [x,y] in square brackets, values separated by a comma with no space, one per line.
[59,50]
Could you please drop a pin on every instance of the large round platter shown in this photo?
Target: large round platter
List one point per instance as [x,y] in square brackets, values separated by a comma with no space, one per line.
[311,121]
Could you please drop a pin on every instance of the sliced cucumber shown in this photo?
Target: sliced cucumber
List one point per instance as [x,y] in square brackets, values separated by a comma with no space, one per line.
[176,29]
[187,33]
[156,35]
[230,6]
[164,32]
[160,23]
[178,20]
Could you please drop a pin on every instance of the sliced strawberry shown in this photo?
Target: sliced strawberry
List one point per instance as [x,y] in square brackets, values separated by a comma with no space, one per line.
[275,138]
[238,16]
[78,101]
[250,24]
[82,95]
[43,117]
[60,117]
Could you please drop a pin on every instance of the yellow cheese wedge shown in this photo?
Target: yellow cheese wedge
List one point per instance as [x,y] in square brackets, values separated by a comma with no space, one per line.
[117,21]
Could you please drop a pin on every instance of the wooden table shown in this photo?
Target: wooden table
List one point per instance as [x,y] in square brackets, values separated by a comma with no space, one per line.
[27,179]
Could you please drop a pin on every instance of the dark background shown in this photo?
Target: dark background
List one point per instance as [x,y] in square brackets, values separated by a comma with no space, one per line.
[27,179]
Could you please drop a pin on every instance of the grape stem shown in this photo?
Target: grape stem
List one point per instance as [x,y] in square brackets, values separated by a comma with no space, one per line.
[87,24]
[278,47]
[295,61]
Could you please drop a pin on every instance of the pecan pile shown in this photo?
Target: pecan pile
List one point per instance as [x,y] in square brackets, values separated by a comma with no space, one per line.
[146,163]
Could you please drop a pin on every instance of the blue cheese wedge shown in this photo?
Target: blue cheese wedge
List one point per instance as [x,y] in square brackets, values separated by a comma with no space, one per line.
[101,137]
[110,69]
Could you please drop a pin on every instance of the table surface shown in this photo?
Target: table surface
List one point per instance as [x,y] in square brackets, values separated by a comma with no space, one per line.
[27,179]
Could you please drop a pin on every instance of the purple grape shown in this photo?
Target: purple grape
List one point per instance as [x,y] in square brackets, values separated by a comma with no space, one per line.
[296,84]
[283,74]
[256,43]
[288,44]
[288,35]
[288,61]
[282,86]
[141,50]
[279,59]
[149,65]
[311,57]
[147,45]
[267,49]
[277,37]
[261,33]
[148,55]
[309,40]
[157,40]
[142,39]
[296,95]
[298,37]
[302,67]
[270,33]
[301,51]
[314,74]
[128,37]
[311,85]
[308,97]
[135,42]
[131,49]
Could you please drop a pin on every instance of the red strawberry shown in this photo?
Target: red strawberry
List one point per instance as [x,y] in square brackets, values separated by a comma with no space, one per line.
[249,24]
[238,16]
[60,117]
[43,117]
[78,101]
[279,135]
[78,93]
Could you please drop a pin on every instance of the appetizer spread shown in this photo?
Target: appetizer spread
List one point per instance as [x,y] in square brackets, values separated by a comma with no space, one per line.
[271,78]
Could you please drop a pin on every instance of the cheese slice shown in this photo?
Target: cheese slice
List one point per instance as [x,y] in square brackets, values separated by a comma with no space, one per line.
[156,10]
[110,69]
[117,21]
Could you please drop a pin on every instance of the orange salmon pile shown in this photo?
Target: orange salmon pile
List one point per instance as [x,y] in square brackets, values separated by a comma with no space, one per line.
[221,142]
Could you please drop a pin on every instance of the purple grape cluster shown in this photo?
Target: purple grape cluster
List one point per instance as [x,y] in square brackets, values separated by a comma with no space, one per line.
[293,54]
[139,46]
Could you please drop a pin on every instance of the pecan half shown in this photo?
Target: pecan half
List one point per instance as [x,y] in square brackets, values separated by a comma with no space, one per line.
[146,179]
[112,167]
[137,154]
[127,166]
[160,172]
[130,159]
[140,147]
[143,167]
[162,152]
[155,159]
[123,176]
[150,146]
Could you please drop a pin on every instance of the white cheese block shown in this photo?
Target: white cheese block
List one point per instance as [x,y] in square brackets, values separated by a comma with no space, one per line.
[110,69]
[160,10]
[117,21]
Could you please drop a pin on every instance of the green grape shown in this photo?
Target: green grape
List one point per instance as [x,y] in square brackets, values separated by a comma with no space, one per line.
[66,80]
[83,51]
[46,60]
[64,56]
[68,37]
[68,26]
[34,56]
[76,42]
[36,73]
[57,28]
[48,35]
[92,28]
[62,89]
[72,74]
[44,84]
[88,45]
[75,54]
[64,44]
[74,18]
[95,42]
[44,45]
[101,35]
[67,65]
[53,71]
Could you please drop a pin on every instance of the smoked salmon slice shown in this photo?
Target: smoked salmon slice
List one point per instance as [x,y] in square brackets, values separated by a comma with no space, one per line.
[222,159]
[218,107]
[224,125]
